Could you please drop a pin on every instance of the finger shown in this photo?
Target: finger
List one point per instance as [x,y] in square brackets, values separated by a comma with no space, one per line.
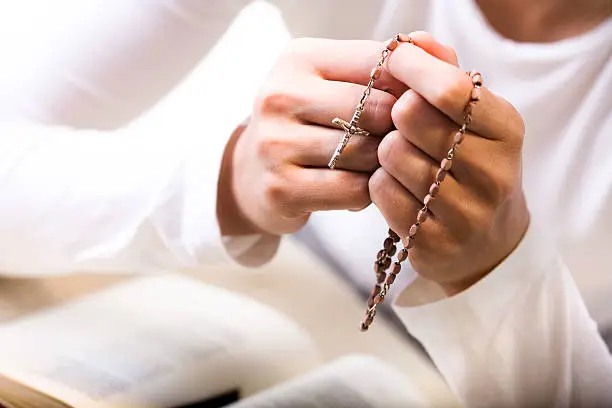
[312,146]
[433,132]
[397,205]
[448,88]
[459,209]
[425,41]
[327,100]
[345,61]
[324,189]
[417,172]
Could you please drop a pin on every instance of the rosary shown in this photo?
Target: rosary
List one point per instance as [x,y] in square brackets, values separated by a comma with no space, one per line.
[383,263]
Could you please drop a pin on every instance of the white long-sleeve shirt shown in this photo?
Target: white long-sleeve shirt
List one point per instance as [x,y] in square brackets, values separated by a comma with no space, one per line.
[141,196]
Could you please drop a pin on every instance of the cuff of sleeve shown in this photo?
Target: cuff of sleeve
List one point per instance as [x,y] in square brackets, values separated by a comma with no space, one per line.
[478,308]
[252,250]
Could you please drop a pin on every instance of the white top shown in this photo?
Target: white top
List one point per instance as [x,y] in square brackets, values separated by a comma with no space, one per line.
[142,197]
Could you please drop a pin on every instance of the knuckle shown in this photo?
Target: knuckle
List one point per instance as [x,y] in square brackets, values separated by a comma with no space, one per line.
[386,149]
[274,101]
[276,191]
[502,186]
[359,192]
[377,184]
[407,108]
[270,146]
[453,95]
[379,108]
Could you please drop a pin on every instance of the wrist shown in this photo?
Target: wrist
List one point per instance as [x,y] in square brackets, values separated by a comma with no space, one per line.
[232,220]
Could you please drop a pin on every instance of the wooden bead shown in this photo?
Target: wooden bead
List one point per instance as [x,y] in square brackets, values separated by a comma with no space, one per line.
[386,263]
[446,164]
[391,44]
[376,72]
[379,267]
[397,267]
[421,216]
[440,175]
[459,136]
[388,244]
[390,279]
[403,38]
[380,277]
[381,255]
[378,300]
[370,302]
[410,243]
[375,291]
[402,255]
[391,252]
[428,199]
[433,189]
[475,94]
[414,229]
[393,234]
[364,327]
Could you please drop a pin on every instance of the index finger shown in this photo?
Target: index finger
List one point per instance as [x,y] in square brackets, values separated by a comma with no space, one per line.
[346,61]
[448,88]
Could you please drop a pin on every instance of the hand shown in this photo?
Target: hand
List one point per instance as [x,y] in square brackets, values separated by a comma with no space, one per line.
[479,215]
[278,168]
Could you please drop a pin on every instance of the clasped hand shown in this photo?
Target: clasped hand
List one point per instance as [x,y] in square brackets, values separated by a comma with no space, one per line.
[279,173]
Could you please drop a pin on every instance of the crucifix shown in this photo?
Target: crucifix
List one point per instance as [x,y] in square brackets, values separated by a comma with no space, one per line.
[350,129]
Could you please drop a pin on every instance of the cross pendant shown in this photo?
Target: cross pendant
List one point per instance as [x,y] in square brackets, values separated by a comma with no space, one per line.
[350,129]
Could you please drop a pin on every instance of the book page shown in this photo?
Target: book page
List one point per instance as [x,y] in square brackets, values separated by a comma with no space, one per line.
[349,382]
[153,342]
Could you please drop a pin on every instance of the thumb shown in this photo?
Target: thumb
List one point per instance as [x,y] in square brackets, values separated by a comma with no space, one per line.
[426,42]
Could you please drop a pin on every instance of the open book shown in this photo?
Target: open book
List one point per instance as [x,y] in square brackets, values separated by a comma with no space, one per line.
[163,341]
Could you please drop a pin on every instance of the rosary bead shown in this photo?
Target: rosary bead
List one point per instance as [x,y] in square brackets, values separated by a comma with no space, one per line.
[433,189]
[410,243]
[428,199]
[381,255]
[370,302]
[403,38]
[397,267]
[414,229]
[390,279]
[387,263]
[380,277]
[459,136]
[368,320]
[402,255]
[440,175]
[394,236]
[376,72]
[391,252]
[391,44]
[375,291]
[388,244]
[378,267]
[421,216]
[475,94]
[446,164]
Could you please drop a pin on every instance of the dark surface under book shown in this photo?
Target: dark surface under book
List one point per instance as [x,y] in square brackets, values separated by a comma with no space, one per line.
[218,401]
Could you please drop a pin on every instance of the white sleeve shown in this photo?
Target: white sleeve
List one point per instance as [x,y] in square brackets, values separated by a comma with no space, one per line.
[79,200]
[520,337]
[141,198]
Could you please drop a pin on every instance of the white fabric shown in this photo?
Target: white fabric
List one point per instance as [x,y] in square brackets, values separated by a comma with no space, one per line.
[70,201]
